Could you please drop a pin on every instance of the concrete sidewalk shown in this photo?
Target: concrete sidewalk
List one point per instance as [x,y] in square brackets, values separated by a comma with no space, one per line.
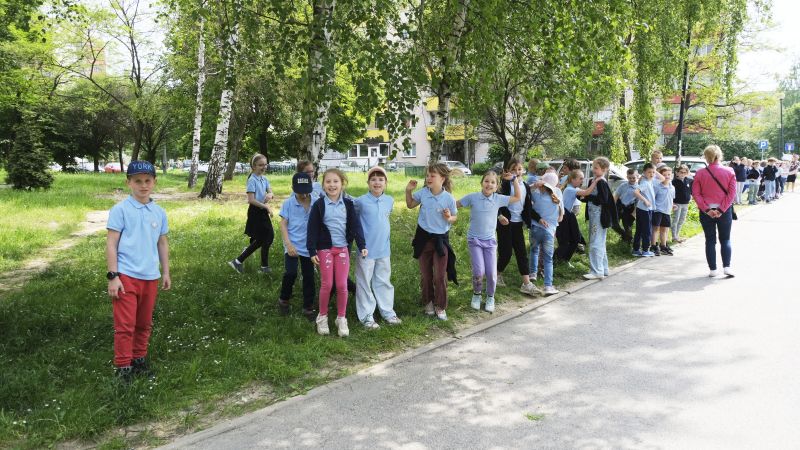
[657,356]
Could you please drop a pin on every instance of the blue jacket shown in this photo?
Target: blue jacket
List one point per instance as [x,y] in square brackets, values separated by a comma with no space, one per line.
[319,238]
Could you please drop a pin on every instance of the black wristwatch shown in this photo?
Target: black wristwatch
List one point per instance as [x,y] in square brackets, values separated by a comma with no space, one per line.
[112,275]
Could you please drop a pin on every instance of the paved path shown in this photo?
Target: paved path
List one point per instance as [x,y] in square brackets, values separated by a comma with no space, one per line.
[656,356]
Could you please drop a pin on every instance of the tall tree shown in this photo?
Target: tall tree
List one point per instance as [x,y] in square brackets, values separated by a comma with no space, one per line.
[229,43]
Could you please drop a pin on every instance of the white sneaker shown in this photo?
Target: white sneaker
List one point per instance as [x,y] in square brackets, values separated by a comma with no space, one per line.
[529,289]
[322,325]
[489,304]
[500,281]
[476,302]
[341,324]
[429,309]
[592,276]
[370,324]
[713,274]
[441,315]
[550,290]
[728,272]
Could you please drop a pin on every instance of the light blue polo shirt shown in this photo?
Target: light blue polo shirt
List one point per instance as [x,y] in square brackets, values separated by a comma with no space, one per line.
[374,212]
[549,211]
[336,220]
[625,193]
[140,226]
[431,209]
[516,208]
[258,185]
[570,195]
[645,187]
[316,191]
[531,178]
[483,214]
[664,197]
[296,223]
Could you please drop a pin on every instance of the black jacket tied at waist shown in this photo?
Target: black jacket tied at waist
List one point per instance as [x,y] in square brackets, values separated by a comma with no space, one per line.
[441,244]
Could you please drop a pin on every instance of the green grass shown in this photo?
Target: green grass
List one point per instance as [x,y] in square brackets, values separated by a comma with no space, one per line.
[32,220]
[215,333]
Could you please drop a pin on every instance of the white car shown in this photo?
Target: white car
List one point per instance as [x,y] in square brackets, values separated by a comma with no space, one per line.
[458,165]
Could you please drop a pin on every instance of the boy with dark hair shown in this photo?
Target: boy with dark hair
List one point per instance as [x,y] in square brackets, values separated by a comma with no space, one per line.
[136,244]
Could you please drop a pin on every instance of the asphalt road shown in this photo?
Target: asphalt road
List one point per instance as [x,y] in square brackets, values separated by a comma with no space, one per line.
[656,356]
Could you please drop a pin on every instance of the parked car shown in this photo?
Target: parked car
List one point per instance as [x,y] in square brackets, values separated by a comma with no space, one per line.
[351,166]
[55,167]
[458,165]
[112,168]
[397,166]
[202,167]
[695,163]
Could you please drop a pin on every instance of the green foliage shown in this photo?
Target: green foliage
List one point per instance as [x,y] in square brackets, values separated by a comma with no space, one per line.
[28,160]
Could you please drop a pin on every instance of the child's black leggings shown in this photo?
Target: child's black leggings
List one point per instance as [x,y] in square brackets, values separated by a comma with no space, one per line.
[511,237]
[255,244]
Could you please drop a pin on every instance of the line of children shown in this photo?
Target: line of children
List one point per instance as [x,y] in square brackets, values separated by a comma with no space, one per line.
[481,241]
[259,225]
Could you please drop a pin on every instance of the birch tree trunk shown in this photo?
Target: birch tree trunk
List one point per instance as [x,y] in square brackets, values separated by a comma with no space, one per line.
[443,91]
[216,166]
[198,109]
[321,73]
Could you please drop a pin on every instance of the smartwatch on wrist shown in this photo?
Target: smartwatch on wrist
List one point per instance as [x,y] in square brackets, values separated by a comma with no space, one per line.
[112,275]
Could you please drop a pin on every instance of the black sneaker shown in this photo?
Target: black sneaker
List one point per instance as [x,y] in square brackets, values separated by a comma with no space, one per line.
[141,368]
[310,314]
[666,251]
[237,266]
[655,250]
[124,375]
[283,307]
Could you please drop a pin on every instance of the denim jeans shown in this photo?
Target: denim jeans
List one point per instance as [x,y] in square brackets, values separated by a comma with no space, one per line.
[598,258]
[374,288]
[541,236]
[769,190]
[678,219]
[710,228]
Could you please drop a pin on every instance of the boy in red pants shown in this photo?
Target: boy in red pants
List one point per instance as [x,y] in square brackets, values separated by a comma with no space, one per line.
[136,244]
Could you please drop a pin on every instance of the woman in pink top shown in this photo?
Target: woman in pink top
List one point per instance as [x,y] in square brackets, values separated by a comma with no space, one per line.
[714,190]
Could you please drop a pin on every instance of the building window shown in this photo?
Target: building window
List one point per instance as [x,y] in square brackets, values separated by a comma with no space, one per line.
[364,152]
[383,149]
[411,152]
[354,151]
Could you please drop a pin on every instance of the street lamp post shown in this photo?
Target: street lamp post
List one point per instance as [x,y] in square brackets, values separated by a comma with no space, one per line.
[780,98]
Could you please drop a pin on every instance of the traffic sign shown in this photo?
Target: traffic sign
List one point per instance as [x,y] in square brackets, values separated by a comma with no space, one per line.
[763,145]
[789,147]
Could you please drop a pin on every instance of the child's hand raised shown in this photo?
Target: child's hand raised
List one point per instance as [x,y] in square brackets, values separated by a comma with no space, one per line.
[508,176]
[412,184]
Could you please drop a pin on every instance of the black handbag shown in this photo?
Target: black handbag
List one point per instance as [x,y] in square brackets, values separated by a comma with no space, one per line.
[733,211]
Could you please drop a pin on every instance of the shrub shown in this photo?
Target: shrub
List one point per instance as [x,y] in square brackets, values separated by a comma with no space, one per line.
[28,160]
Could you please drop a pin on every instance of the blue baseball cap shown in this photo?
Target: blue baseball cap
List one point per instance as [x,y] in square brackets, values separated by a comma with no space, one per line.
[137,167]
